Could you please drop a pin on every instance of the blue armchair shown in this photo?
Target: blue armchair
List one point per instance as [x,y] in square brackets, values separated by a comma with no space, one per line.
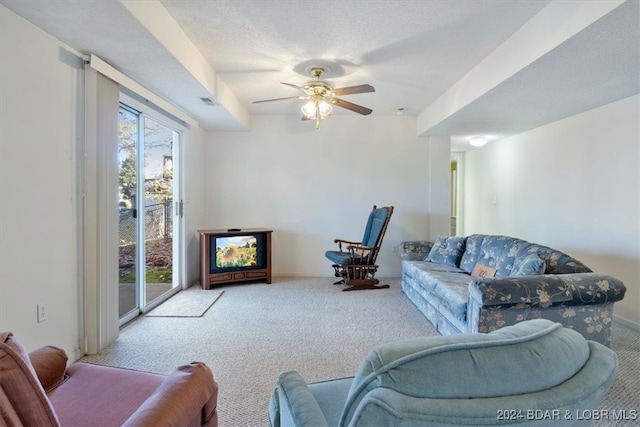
[355,262]
[535,372]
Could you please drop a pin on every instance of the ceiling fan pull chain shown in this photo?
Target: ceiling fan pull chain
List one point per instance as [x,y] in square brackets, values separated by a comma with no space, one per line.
[317,116]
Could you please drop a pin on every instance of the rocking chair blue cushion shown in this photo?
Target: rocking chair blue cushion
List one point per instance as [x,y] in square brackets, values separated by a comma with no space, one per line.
[364,252]
[341,258]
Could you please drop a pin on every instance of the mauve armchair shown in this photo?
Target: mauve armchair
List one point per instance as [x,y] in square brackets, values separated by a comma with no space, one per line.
[37,389]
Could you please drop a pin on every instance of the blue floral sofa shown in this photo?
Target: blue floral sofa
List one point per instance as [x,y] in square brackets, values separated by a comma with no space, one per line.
[481,283]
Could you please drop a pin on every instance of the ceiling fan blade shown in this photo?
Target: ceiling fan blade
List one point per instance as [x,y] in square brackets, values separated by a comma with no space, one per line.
[292,85]
[354,89]
[351,106]
[280,99]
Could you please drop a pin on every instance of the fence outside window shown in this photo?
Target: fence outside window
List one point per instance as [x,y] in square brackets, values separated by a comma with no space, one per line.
[158,223]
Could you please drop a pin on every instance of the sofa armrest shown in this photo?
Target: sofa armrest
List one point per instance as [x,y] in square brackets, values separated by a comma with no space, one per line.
[188,393]
[547,290]
[50,364]
[416,250]
[594,288]
[297,406]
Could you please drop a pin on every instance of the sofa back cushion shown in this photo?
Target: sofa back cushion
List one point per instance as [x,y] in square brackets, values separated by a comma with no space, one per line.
[471,366]
[471,252]
[530,265]
[22,398]
[556,262]
[447,250]
[506,253]
[497,252]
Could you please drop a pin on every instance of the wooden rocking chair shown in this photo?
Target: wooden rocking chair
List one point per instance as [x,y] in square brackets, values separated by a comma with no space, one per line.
[355,264]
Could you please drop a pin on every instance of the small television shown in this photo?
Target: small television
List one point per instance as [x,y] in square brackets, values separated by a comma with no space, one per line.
[236,252]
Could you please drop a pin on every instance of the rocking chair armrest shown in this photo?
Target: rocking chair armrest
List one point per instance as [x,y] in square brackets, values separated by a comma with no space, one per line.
[347,242]
[362,247]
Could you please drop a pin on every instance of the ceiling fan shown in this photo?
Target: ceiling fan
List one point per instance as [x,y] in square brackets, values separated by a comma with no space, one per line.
[322,96]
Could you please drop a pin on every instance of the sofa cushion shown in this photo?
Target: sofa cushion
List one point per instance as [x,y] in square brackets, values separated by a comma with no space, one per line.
[530,265]
[486,364]
[451,294]
[447,250]
[22,398]
[471,252]
[446,287]
[501,252]
[412,267]
[556,262]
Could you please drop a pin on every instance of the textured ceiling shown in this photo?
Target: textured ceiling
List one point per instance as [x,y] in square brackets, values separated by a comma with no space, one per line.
[412,52]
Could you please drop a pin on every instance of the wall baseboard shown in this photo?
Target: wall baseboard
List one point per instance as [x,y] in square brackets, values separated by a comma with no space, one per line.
[628,323]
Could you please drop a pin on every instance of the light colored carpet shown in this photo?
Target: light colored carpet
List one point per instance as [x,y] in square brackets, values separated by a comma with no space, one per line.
[255,331]
[624,395]
[191,302]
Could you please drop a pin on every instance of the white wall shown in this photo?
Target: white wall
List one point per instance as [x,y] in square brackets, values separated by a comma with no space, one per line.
[573,185]
[39,104]
[40,129]
[440,191]
[312,186]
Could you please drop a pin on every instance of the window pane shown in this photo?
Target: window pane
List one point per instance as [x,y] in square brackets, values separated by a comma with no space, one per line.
[127,179]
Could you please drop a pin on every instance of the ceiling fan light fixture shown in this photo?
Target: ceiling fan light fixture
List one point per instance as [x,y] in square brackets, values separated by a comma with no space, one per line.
[322,96]
[324,108]
[319,107]
[309,110]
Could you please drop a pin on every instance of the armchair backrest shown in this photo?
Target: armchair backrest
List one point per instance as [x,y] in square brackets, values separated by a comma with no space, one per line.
[22,399]
[376,226]
[433,380]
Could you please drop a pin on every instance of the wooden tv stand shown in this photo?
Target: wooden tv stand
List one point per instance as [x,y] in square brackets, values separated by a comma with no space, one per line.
[209,279]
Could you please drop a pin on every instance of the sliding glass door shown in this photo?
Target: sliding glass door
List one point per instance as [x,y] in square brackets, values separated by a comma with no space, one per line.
[149,211]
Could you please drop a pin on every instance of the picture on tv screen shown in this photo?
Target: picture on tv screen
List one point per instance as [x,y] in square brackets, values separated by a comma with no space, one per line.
[236,251]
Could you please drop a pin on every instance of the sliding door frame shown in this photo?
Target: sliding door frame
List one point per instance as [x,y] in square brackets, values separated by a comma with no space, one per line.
[145,112]
[98,188]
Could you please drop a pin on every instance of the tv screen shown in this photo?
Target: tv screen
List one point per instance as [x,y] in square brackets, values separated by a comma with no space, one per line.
[236,252]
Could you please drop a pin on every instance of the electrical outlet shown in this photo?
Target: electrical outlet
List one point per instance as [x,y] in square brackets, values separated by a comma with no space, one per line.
[43,313]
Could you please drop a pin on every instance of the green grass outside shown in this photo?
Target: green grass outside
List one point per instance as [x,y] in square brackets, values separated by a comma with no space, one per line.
[153,275]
